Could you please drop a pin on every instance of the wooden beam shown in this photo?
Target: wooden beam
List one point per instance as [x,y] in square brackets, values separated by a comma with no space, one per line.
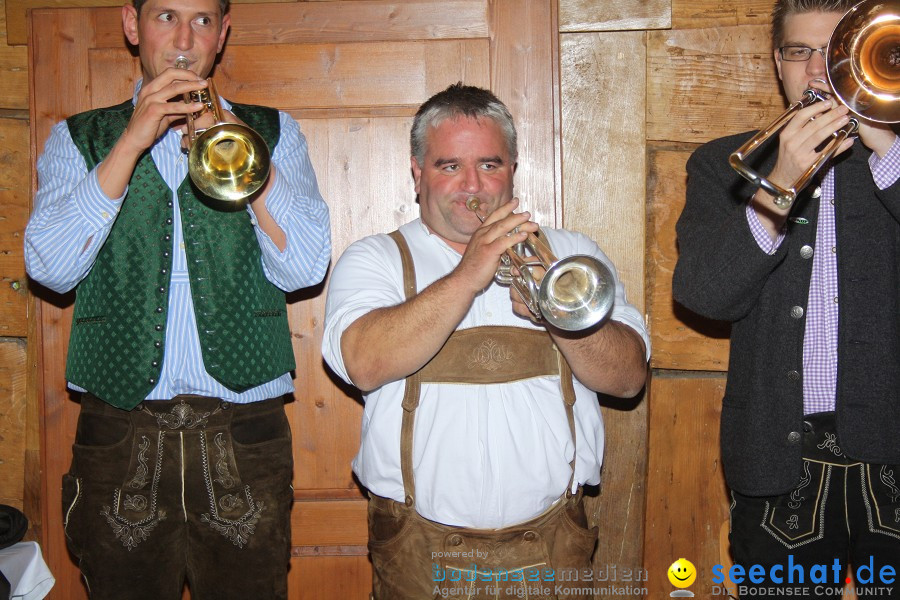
[14,208]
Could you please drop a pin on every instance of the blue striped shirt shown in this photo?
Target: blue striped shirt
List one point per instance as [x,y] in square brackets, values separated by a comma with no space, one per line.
[72,218]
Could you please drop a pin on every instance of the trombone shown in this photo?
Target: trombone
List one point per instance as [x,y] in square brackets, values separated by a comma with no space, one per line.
[227,161]
[575,293]
[863,66]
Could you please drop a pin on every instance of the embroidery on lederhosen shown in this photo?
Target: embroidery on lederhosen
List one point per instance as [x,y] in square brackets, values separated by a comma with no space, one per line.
[805,521]
[830,443]
[226,497]
[489,355]
[881,497]
[133,516]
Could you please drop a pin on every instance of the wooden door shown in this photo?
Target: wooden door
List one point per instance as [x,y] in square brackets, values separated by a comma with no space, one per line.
[352,73]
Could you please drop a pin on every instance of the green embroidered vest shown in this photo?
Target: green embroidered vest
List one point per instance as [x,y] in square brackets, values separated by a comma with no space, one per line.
[119,323]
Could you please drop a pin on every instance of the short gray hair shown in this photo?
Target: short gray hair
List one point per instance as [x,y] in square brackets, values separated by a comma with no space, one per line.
[460,100]
[785,8]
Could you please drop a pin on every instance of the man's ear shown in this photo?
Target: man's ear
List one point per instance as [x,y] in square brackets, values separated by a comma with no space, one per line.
[223,35]
[778,63]
[130,24]
[416,171]
[515,166]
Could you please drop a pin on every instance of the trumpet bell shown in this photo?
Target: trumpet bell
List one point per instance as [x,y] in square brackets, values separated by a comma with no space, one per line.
[229,162]
[576,293]
[864,60]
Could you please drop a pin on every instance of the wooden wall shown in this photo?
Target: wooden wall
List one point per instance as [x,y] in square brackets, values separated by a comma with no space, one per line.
[642,83]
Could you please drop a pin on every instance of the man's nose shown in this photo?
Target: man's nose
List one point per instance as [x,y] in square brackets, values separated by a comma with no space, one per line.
[184,37]
[816,63]
[472,180]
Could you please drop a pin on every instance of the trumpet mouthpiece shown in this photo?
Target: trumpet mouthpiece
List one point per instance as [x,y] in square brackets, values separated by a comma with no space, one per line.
[473,203]
[181,62]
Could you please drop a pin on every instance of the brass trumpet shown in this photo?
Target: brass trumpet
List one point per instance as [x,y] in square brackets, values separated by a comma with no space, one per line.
[227,161]
[863,66]
[575,293]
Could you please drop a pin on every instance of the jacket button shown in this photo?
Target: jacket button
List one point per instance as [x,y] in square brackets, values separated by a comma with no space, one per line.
[794,437]
[793,375]
[797,312]
[806,251]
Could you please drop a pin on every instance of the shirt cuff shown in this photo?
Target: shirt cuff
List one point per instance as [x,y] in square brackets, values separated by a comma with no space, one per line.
[760,234]
[278,203]
[886,170]
[95,206]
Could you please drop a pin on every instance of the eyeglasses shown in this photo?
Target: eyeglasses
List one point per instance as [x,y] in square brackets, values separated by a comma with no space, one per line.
[799,53]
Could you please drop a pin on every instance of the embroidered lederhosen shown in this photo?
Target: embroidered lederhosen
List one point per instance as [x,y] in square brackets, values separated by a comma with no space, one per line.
[416,558]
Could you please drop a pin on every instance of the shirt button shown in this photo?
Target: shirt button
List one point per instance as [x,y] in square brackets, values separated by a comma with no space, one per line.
[104,214]
[835,299]
[832,201]
[793,375]
[794,437]
[797,312]
[806,251]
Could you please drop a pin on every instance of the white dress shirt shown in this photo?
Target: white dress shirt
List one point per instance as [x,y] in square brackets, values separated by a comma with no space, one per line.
[485,456]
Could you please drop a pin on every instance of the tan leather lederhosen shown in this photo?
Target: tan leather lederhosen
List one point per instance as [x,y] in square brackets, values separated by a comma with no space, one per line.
[417,559]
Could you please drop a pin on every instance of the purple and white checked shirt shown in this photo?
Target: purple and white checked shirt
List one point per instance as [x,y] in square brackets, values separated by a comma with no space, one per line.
[820,339]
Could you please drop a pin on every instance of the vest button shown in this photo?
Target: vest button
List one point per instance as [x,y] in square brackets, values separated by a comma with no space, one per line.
[794,437]
[168,221]
[159,309]
[151,381]
[793,375]
[158,328]
[167,237]
[797,312]
[157,344]
[155,363]
[161,290]
[806,251]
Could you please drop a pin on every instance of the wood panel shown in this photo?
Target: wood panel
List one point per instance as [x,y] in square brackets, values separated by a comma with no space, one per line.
[12,421]
[681,339]
[688,14]
[346,529]
[707,83]
[13,69]
[603,159]
[15,164]
[590,15]
[687,501]
[315,576]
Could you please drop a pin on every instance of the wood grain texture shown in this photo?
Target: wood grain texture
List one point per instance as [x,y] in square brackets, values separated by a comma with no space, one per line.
[603,184]
[590,15]
[681,339]
[330,578]
[707,83]
[346,524]
[13,67]
[15,167]
[13,421]
[687,14]
[687,501]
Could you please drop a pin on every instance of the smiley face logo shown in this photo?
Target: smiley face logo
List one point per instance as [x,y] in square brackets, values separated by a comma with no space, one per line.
[682,573]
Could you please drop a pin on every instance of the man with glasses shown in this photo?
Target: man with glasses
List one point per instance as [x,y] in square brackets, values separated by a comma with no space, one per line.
[811,411]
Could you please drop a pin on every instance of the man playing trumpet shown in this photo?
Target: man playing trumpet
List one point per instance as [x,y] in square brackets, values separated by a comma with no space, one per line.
[481,422]
[180,344]
[811,411]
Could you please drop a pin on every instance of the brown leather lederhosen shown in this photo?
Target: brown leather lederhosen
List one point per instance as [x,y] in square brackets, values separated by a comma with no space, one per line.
[417,559]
